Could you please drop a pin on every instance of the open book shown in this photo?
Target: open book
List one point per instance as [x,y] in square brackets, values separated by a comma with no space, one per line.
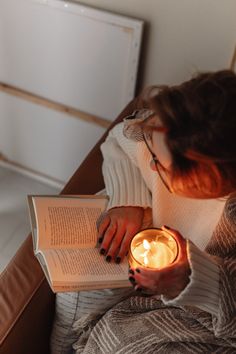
[65,241]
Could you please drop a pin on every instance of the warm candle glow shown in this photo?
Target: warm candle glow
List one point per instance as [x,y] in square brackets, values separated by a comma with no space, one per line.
[146,244]
[153,248]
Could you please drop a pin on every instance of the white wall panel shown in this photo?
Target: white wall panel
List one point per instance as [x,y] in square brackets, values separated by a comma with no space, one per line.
[44,140]
[69,53]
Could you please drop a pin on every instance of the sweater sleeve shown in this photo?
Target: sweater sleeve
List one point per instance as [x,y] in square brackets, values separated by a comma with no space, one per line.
[123,180]
[203,288]
[213,284]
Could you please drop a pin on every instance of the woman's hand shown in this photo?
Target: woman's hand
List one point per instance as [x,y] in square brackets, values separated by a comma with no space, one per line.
[116,230]
[169,281]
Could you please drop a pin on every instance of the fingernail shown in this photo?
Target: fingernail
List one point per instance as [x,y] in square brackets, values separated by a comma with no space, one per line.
[102,251]
[100,239]
[118,259]
[131,271]
[108,258]
[138,270]
[132,280]
[167,227]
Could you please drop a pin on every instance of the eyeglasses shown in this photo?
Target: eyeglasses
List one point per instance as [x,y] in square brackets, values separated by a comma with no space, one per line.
[161,170]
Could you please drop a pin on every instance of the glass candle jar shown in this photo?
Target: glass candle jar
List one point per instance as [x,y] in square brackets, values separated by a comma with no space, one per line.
[152,248]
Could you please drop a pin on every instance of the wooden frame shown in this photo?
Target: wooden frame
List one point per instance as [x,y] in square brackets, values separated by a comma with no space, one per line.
[28,96]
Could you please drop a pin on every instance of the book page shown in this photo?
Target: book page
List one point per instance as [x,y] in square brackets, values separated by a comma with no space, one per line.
[67,222]
[83,266]
[59,288]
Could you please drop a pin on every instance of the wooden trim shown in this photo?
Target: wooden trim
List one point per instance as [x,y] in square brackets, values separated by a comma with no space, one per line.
[233,60]
[28,96]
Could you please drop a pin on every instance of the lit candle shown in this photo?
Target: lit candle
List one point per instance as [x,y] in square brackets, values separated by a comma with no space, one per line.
[152,248]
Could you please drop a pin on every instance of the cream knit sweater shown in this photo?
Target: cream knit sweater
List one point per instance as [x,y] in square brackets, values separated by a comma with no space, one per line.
[129,181]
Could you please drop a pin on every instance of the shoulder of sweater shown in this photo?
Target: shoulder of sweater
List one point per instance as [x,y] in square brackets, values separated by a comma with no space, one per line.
[230,208]
[117,133]
[117,129]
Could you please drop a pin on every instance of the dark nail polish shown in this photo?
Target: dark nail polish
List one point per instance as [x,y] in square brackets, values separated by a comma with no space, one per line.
[118,259]
[132,280]
[131,271]
[138,270]
[100,239]
[108,258]
[102,251]
[167,227]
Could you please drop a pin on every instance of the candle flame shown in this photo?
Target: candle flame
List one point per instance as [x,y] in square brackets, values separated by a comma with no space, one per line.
[146,244]
[155,253]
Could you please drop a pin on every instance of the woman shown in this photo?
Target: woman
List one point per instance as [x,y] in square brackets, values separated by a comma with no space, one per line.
[172,163]
[175,159]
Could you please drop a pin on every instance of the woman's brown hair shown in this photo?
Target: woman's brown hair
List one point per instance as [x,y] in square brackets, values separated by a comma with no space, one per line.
[200,118]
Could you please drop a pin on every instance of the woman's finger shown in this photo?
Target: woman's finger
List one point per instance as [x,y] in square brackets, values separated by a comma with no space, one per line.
[115,244]
[174,233]
[124,246]
[107,237]
[160,285]
[103,225]
[181,241]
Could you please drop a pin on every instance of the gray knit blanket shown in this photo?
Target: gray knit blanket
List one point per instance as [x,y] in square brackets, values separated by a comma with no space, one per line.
[143,325]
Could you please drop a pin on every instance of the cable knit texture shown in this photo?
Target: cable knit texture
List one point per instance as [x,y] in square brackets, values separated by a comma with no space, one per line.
[202,318]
